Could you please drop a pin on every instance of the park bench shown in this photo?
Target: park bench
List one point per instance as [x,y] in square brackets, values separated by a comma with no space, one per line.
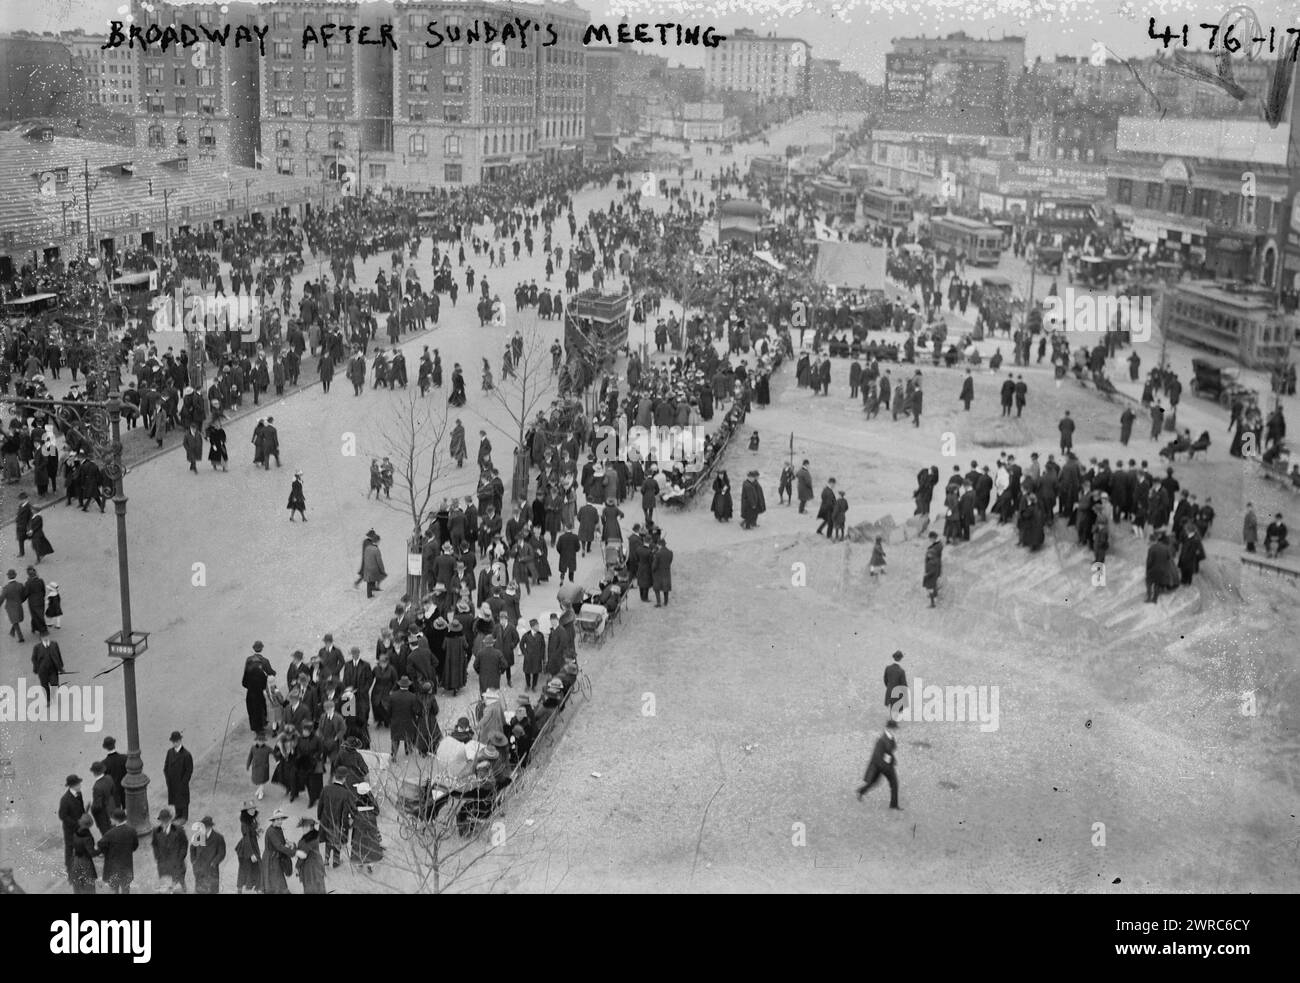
[1270,566]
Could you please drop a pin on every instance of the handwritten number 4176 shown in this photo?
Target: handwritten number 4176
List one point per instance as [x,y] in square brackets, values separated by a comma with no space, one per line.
[1224,37]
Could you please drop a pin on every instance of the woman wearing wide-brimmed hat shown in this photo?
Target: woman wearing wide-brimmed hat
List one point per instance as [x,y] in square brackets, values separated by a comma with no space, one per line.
[372,564]
[248,851]
[277,856]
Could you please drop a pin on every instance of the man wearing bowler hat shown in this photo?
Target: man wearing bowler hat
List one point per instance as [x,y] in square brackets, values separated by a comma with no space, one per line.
[169,849]
[71,808]
[207,853]
[178,767]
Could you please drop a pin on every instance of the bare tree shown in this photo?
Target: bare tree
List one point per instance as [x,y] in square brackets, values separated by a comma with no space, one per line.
[457,842]
[412,440]
[522,395]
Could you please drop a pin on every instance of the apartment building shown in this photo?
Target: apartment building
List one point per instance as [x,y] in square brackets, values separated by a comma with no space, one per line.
[202,100]
[109,73]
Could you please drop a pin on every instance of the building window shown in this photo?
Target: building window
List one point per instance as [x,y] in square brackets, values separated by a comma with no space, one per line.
[282,51]
[334,108]
[1201,203]
[336,140]
[1178,198]
[451,173]
[207,106]
[1153,195]
[333,80]
[207,77]
[455,56]
[309,140]
[281,20]
[417,22]
[155,136]
[378,172]
[283,140]
[417,81]
[453,83]
[451,146]
[154,104]
[334,52]
[180,105]
[452,113]
[309,108]
[284,107]
[416,143]
[418,112]
[181,138]
[309,79]
[178,75]
[415,52]
[280,79]
[207,136]
[153,76]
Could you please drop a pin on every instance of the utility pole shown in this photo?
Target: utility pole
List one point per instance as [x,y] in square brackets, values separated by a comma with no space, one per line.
[167,222]
[90,235]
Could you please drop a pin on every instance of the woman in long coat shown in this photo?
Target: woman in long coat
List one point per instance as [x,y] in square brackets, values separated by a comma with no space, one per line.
[554,504]
[1031,528]
[311,867]
[249,852]
[372,562]
[933,566]
[217,446]
[36,532]
[277,857]
[569,505]
[752,503]
[458,451]
[259,443]
[385,682]
[457,397]
[454,663]
[297,500]
[367,844]
[722,506]
[82,873]
[543,559]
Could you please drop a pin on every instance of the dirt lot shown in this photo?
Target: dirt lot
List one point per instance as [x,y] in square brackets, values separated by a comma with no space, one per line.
[1123,760]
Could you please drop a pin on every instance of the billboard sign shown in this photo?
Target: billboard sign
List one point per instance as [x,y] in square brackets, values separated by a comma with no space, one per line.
[906,82]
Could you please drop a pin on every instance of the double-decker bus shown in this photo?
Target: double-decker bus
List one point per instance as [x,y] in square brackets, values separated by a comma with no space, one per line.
[981,243]
[886,206]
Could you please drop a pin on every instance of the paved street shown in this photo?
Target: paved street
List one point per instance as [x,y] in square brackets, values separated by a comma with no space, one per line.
[215,564]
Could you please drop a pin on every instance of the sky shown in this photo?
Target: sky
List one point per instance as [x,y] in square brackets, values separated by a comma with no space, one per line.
[857,32]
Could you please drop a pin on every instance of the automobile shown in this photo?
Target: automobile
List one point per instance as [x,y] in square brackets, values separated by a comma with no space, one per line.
[1218,379]
[1048,259]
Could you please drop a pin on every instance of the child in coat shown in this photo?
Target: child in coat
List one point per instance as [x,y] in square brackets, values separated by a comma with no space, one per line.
[877,566]
[839,517]
[53,605]
[259,762]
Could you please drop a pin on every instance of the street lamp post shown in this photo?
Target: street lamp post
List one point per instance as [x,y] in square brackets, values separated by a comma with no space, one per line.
[136,783]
